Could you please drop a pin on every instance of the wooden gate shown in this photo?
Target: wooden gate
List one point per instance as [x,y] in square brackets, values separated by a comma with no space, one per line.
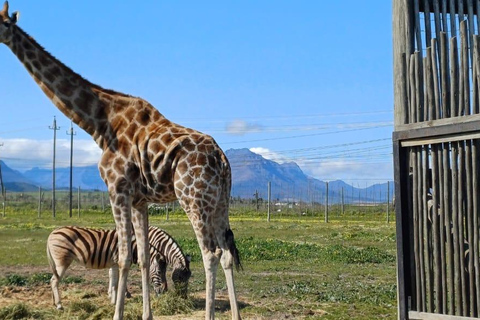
[436,155]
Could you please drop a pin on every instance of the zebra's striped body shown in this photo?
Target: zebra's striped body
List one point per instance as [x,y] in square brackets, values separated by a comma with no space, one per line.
[97,249]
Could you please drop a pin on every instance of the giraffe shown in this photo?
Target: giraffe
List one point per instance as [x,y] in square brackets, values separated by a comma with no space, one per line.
[145,158]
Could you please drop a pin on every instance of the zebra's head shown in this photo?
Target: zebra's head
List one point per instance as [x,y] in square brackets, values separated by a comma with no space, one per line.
[180,276]
[158,269]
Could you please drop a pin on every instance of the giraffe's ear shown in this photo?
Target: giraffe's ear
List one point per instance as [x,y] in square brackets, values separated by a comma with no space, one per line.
[15,17]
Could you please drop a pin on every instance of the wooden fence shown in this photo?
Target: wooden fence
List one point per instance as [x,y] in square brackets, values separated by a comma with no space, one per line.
[436,154]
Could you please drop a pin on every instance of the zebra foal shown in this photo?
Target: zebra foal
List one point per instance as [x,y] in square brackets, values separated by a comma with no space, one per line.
[97,249]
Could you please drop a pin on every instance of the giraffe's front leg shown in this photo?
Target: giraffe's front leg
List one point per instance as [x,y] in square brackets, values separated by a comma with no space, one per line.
[140,223]
[121,206]
[113,283]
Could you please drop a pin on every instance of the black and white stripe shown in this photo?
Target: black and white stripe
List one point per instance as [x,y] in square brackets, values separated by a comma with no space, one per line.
[97,249]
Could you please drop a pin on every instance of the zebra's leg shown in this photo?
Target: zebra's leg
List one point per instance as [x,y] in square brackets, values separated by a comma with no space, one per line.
[121,206]
[113,283]
[140,224]
[58,273]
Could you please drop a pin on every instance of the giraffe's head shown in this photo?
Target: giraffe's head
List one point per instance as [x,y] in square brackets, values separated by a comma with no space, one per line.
[6,23]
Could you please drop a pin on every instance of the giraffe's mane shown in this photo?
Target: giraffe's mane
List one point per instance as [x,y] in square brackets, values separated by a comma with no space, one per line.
[34,43]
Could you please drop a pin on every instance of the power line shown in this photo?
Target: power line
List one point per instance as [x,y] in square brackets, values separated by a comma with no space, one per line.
[303,135]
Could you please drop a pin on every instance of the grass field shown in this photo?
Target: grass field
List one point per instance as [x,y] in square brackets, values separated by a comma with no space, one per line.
[294,267]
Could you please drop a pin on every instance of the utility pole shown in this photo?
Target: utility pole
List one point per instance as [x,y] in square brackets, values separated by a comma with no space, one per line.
[70,196]
[55,129]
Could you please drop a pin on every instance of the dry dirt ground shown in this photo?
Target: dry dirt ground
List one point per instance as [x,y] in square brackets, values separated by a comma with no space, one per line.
[95,282]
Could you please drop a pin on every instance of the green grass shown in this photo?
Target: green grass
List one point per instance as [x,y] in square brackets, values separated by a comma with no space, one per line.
[293,267]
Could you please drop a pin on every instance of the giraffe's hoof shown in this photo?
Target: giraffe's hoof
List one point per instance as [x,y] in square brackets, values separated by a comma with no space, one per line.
[59,307]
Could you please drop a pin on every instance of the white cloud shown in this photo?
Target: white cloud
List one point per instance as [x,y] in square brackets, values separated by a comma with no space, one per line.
[240,127]
[270,155]
[348,170]
[24,154]
[336,169]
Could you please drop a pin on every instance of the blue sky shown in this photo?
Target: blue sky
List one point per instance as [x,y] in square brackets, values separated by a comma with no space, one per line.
[308,81]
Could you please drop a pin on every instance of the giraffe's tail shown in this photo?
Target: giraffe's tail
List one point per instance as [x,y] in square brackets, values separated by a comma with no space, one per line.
[233,249]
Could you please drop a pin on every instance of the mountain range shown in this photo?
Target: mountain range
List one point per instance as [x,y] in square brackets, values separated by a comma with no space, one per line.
[251,174]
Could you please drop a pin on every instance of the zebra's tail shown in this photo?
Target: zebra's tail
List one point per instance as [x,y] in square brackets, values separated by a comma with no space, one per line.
[233,249]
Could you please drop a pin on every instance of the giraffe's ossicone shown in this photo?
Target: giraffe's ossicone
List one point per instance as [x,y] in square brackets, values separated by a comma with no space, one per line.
[145,158]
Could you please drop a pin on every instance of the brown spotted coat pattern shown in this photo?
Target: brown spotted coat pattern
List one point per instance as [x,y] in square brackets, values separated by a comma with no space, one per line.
[146,158]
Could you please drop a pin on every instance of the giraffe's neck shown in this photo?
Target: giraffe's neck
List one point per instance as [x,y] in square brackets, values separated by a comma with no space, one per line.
[86,104]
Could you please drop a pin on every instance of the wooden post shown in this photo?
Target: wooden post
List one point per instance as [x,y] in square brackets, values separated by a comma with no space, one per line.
[39,201]
[343,202]
[78,201]
[326,202]
[269,192]
[388,201]
[4,202]
[402,48]
[103,201]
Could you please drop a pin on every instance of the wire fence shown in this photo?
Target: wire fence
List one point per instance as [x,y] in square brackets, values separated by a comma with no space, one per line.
[254,201]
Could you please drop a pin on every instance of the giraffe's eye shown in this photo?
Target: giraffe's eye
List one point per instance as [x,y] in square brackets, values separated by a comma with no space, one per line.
[6,24]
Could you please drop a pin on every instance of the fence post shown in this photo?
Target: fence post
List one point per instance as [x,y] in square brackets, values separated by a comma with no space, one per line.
[343,202]
[269,187]
[78,201]
[4,203]
[166,212]
[103,201]
[326,202]
[388,201]
[40,201]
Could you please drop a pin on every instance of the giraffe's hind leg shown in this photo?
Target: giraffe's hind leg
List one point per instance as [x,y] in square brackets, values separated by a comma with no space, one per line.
[205,235]
[228,260]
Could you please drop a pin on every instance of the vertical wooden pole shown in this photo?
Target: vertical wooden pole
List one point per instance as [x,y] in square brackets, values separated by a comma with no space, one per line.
[4,202]
[103,201]
[326,202]
[78,193]
[404,273]
[39,201]
[400,43]
[388,201]
[269,192]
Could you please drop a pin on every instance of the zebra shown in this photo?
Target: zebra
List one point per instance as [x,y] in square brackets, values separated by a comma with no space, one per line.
[97,249]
